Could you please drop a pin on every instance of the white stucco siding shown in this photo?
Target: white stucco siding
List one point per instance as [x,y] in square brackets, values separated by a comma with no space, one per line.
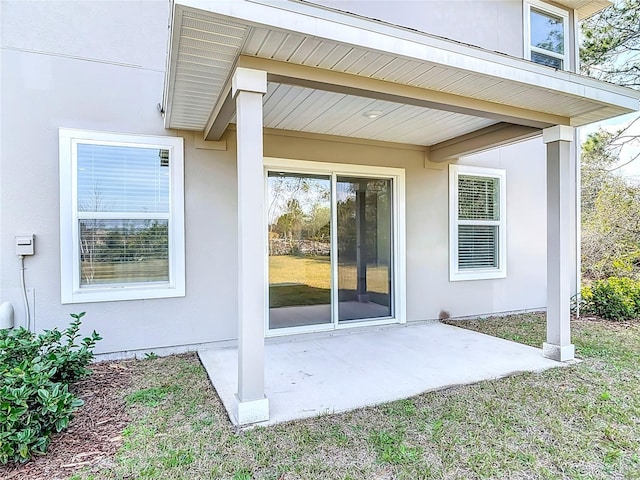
[114,86]
[492,24]
[427,221]
[526,230]
[129,32]
[97,96]
[104,71]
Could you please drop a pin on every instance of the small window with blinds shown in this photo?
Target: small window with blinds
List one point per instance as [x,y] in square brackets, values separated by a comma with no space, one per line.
[477,223]
[122,220]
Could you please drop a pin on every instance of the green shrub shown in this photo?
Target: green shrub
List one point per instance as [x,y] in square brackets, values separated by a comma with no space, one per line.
[34,392]
[617,298]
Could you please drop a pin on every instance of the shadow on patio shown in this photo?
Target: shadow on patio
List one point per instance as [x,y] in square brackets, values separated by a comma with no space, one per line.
[311,376]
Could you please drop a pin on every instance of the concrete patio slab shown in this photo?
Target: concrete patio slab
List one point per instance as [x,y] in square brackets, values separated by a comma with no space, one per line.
[311,376]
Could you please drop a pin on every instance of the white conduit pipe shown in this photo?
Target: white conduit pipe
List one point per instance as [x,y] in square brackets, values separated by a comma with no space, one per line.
[24,292]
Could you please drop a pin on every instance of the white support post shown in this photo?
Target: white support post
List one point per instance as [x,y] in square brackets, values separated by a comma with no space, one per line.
[559,223]
[248,87]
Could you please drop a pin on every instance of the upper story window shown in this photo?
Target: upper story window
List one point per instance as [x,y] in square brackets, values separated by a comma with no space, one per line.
[477,223]
[547,34]
[121,219]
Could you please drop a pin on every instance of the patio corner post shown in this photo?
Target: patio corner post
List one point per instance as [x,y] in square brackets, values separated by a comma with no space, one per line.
[559,223]
[248,88]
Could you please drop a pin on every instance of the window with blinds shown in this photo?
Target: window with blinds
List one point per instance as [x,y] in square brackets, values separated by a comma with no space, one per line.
[123,214]
[477,223]
[123,236]
[477,246]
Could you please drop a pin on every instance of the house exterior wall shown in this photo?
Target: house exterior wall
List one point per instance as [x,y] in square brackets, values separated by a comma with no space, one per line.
[427,218]
[496,25]
[104,71]
[490,24]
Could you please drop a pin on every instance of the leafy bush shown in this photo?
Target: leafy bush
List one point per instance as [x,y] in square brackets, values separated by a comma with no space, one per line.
[35,400]
[617,298]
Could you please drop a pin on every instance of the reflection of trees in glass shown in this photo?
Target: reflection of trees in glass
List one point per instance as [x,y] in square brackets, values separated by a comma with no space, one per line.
[117,186]
[542,24]
[105,241]
[88,242]
[377,209]
[119,241]
[299,209]
[319,223]
[555,38]
[296,225]
[478,198]
[283,189]
[289,225]
[93,203]
[346,227]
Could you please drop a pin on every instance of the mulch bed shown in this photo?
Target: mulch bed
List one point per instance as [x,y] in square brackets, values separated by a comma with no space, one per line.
[94,434]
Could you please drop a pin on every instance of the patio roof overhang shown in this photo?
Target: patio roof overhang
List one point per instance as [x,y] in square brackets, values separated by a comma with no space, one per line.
[328,72]
[585,8]
[293,66]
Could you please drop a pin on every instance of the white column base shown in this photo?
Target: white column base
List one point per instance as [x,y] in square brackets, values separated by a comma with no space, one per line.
[559,353]
[252,411]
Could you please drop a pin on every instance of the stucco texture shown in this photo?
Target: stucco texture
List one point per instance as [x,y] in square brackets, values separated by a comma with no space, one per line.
[56,77]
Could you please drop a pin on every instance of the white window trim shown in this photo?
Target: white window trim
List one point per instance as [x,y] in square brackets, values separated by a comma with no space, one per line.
[455,274]
[71,291]
[399,237]
[551,10]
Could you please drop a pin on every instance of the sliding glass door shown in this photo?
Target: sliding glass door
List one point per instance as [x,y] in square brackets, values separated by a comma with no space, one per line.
[299,216]
[331,249]
[364,240]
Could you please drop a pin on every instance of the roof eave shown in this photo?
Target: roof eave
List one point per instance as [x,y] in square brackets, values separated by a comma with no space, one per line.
[311,22]
[585,8]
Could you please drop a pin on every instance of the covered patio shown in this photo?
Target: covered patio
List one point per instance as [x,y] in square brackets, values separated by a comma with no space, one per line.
[305,377]
[324,74]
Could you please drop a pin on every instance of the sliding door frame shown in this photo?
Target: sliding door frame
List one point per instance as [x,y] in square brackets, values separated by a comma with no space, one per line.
[398,264]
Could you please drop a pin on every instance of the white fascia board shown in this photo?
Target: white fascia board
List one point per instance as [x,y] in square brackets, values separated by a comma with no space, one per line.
[172,60]
[348,29]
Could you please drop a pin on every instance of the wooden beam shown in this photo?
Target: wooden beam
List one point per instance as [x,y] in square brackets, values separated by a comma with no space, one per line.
[488,137]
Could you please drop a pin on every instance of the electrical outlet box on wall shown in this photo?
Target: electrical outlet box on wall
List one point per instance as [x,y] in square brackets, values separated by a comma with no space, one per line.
[25,244]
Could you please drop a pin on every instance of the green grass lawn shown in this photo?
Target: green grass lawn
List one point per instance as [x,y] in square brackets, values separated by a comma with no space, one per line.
[581,422]
[306,280]
[288,295]
[316,272]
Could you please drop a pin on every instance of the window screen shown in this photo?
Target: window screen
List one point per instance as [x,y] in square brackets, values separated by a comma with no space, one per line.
[477,223]
[478,199]
[123,214]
